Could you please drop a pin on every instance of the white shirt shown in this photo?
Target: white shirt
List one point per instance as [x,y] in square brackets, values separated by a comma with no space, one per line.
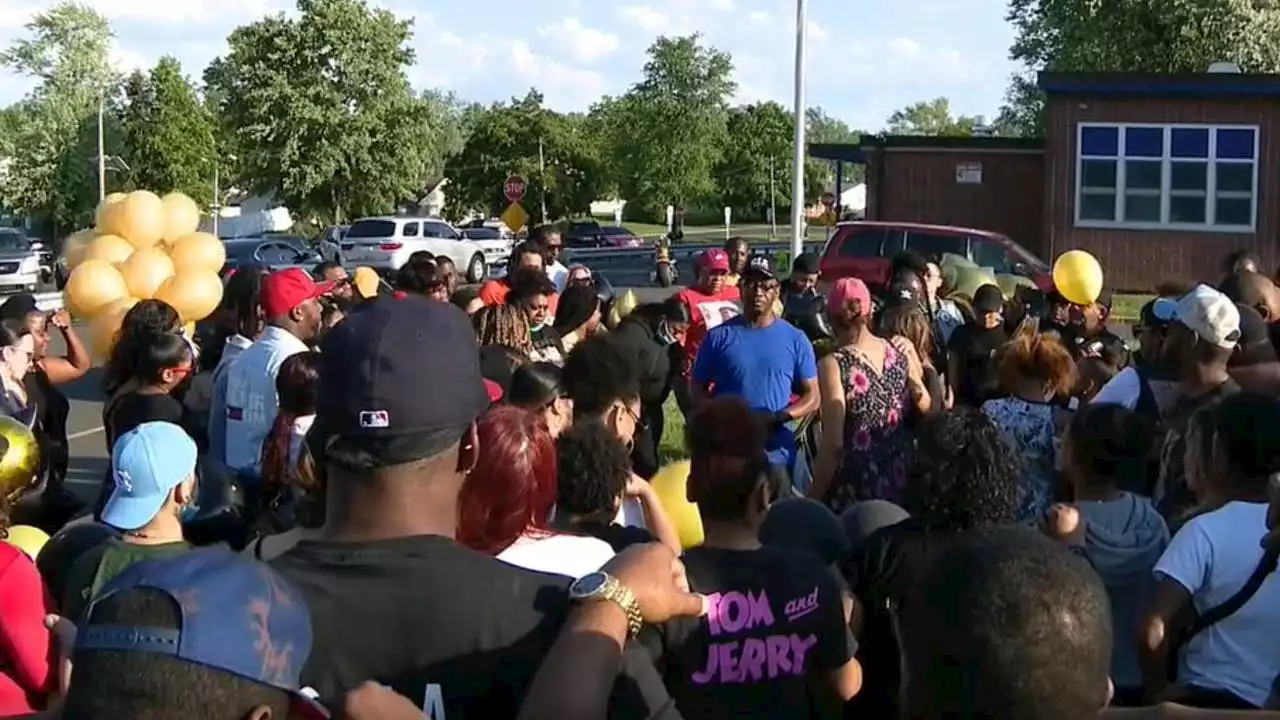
[301,426]
[1212,556]
[1122,389]
[571,555]
[558,274]
[251,396]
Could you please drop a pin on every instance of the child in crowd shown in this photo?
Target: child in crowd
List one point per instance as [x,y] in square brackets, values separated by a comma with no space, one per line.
[154,469]
[1120,533]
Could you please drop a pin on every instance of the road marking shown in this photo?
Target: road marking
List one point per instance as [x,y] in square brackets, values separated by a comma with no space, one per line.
[85,433]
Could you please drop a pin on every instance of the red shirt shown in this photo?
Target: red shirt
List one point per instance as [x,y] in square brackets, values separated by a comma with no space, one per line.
[706,312]
[28,666]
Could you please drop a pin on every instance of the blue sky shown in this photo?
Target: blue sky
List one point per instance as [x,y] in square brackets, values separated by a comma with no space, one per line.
[867,58]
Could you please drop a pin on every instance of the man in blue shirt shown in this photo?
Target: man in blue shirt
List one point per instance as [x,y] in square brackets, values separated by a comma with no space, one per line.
[764,360]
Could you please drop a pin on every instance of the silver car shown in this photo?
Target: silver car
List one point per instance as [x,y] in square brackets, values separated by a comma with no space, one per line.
[19,262]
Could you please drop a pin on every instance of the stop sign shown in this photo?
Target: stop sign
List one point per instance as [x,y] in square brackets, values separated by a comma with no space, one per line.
[513,188]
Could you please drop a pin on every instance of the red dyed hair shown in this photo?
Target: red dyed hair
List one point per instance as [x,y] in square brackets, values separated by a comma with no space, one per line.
[513,486]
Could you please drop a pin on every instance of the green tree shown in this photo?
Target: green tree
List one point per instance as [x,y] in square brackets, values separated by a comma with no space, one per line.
[168,134]
[930,117]
[757,161]
[669,130]
[1169,36]
[319,110]
[824,129]
[505,140]
[52,175]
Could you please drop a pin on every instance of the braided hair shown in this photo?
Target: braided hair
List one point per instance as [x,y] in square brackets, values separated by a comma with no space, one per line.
[503,325]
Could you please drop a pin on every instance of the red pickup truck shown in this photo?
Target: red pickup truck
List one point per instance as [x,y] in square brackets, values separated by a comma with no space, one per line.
[864,249]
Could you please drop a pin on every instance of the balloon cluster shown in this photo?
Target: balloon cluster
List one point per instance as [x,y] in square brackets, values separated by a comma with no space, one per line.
[142,247]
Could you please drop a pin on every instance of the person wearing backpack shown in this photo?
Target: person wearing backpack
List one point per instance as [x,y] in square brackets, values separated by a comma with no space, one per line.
[1208,634]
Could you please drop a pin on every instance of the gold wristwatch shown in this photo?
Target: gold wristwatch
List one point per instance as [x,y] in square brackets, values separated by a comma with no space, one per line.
[603,586]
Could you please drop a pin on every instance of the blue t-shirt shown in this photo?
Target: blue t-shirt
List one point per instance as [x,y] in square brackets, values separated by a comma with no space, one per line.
[760,365]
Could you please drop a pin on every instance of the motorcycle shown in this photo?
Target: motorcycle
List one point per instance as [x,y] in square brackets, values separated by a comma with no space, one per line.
[665,273]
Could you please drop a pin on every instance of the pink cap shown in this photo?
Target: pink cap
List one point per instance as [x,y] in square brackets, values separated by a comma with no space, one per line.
[714,259]
[845,291]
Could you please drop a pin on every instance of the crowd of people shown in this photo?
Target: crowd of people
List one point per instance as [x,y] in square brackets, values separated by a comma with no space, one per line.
[433,501]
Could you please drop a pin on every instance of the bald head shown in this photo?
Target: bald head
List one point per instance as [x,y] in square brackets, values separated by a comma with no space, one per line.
[1254,290]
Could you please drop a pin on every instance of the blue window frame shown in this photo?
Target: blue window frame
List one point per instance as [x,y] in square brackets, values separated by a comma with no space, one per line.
[1178,177]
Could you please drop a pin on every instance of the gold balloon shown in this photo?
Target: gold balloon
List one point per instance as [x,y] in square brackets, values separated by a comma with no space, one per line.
[181,216]
[193,293]
[108,218]
[28,539]
[366,281]
[111,249]
[626,304]
[106,325]
[968,280]
[76,246]
[142,221]
[20,459]
[669,485]
[198,251]
[93,286]
[146,270]
[189,330]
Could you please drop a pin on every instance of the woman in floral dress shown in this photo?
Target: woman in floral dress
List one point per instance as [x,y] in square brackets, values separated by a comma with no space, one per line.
[870,387]
[1033,369]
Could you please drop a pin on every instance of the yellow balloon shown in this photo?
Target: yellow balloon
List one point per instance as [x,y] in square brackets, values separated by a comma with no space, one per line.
[111,249]
[146,270]
[107,218]
[193,293]
[76,246]
[27,539]
[198,251]
[105,326]
[142,221]
[626,304]
[969,279]
[189,330]
[181,216]
[21,459]
[669,484]
[1078,276]
[366,281]
[92,286]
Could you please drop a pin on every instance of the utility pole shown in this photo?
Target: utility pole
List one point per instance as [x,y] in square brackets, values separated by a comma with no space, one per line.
[797,164]
[773,201]
[102,157]
[542,171]
[217,205]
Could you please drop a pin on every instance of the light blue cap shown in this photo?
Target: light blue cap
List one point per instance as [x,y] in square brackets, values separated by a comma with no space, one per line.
[147,463]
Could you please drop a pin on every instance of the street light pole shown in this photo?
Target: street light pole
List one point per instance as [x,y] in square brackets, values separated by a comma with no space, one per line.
[797,165]
[217,206]
[102,157]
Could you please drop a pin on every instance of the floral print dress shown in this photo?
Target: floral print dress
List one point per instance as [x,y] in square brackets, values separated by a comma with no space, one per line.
[1029,427]
[877,441]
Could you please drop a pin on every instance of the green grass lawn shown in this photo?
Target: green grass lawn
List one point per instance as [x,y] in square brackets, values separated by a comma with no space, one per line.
[673,446]
[1125,307]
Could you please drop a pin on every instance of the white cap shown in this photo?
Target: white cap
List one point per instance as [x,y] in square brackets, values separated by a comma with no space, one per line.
[1210,315]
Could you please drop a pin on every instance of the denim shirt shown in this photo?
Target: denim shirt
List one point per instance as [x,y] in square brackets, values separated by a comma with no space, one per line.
[245,402]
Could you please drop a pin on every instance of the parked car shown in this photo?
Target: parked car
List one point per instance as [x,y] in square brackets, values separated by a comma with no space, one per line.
[492,236]
[595,235]
[276,253]
[385,243]
[19,261]
[329,244]
[865,249]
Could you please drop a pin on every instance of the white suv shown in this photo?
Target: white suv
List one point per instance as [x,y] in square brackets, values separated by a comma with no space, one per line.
[385,243]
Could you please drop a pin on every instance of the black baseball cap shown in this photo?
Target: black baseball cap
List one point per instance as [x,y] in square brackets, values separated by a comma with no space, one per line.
[988,298]
[400,379]
[807,263]
[759,267]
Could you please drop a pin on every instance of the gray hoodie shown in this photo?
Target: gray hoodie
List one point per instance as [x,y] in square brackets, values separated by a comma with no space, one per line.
[1124,538]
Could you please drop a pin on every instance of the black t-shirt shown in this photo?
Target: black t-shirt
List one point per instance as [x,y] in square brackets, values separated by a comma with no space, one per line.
[974,348]
[776,624]
[883,573]
[456,631]
[131,409]
[1173,497]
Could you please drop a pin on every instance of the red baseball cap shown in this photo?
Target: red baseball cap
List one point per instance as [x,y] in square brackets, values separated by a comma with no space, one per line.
[845,291]
[285,290]
[714,259]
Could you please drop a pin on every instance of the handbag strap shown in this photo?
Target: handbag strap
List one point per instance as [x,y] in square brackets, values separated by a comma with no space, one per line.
[1232,605]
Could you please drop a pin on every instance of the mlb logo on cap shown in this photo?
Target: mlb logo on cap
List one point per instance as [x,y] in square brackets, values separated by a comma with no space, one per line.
[375,419]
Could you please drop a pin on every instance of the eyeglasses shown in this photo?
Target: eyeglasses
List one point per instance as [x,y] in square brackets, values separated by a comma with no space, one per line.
[635,416]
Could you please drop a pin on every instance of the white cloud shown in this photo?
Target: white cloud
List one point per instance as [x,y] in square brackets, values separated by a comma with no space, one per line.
[759,17]
[584,44]
[646,18]
[563,86]
[125,60]
[164,11]
[904,47]
[816,32]
[721,5]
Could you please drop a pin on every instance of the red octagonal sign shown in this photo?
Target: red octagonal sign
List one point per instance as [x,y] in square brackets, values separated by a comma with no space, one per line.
[514,188]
